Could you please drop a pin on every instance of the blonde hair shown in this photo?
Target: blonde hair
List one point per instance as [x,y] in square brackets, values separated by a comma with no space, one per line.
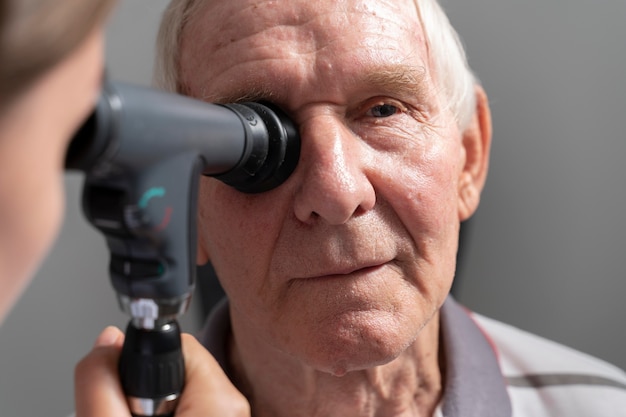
[37,34]
[449,65]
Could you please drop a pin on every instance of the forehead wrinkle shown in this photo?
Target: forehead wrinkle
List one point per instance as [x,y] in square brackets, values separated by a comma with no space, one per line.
[379,76]
[207,48]
[309,23]
[219,23]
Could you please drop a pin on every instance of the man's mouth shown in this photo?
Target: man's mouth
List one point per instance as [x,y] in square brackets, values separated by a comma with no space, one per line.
[344,272]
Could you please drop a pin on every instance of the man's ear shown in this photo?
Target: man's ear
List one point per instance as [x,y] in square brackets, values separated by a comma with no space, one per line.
[476,143]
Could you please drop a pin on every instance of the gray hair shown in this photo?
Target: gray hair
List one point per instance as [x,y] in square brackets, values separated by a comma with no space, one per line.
[453,77]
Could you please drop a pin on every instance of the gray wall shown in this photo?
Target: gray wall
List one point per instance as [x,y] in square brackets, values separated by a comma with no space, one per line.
[547,246]
[544,250]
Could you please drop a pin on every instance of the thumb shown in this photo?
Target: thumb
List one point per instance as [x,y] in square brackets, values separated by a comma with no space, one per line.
[208,391]
[97,390]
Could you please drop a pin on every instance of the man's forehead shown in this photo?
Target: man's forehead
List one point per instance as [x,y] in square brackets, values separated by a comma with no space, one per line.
[216,23]
[253,15]
[223,35]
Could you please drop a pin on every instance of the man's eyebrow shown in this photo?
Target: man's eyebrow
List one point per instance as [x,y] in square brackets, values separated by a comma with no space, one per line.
[404,80]
[241,95]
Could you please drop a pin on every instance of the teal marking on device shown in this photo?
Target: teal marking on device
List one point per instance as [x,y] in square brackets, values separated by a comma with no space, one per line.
[151,193]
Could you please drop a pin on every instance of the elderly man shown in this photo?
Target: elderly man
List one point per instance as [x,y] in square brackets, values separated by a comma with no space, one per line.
[338,280]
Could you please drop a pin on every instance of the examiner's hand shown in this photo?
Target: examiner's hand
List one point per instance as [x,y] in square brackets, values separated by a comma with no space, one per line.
[208,392]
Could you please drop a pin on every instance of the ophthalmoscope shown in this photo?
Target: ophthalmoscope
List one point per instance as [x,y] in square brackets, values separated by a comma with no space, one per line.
[143,152]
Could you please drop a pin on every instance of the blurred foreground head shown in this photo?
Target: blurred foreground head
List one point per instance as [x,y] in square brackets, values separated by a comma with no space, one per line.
[37,34]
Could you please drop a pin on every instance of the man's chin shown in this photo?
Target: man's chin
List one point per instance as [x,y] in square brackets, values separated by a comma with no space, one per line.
[357,345]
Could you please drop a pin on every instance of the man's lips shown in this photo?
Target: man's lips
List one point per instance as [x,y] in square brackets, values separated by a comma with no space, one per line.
[347,271]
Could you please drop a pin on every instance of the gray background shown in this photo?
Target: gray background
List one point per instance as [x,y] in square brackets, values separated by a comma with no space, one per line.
[544,252]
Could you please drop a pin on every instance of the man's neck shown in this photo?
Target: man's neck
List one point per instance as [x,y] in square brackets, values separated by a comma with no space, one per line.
[279,386]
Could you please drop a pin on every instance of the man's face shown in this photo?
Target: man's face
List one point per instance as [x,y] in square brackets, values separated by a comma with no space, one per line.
[343,264]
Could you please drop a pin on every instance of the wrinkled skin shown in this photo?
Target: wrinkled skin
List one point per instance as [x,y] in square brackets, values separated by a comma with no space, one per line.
[342,267]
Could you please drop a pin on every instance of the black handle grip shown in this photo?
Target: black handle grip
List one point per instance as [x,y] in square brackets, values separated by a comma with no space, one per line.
[152,369]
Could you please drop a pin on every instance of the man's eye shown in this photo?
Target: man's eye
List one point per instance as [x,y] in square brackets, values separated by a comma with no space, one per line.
[383,110]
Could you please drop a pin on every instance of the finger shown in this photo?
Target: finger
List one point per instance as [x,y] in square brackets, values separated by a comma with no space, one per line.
[208,391]
[96,382]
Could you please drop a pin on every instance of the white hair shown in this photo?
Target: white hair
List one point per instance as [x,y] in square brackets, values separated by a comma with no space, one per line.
[454,77]
[166,68]
[451,72]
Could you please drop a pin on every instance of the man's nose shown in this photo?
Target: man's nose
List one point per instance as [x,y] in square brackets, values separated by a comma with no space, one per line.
[334,184]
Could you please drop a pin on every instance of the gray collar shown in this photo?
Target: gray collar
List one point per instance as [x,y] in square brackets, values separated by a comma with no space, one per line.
[474,385]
